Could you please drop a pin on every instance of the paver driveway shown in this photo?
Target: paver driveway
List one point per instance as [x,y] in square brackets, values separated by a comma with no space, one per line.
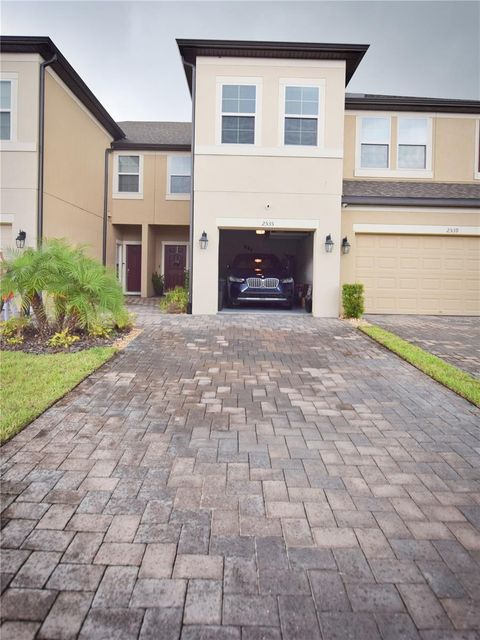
[246,477]
[455,339]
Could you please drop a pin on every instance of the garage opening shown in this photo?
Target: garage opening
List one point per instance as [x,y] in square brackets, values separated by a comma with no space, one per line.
[265,270]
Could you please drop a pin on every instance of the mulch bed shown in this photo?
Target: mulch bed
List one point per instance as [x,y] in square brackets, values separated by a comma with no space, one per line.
[33,343]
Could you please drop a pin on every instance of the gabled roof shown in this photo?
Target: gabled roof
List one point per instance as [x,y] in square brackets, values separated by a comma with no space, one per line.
[46,49]
[155,135]
[388,192]
[351,53]
[374,102]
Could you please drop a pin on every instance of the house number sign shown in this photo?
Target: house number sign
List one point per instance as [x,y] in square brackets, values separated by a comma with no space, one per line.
[268,223]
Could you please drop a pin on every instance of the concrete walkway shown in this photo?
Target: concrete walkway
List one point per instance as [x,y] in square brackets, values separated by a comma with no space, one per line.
[455,339]
[245,477]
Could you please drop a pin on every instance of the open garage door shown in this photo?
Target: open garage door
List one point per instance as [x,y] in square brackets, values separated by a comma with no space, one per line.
[265,269]
[419,274]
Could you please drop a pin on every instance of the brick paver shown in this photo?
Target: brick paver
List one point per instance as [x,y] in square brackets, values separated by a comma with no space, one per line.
[455,339]
[245,477]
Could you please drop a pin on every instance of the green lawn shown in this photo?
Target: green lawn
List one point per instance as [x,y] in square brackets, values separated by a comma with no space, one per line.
[452,377]
[29,383]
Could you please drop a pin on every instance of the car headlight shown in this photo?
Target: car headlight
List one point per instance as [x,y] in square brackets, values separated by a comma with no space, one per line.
[286,280]
[235,279]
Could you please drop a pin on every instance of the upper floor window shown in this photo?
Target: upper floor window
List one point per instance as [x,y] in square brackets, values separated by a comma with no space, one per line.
[301,115]
[5,110]
[374,143]
[128,174]
[412,143]
[179,174]
[238,113]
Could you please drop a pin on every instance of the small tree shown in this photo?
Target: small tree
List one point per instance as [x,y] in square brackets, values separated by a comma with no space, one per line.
[352,299]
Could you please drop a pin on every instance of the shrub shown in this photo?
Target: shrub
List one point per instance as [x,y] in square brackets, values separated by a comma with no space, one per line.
[62,339]
[100,331]
[175,301]
[158,282]
[352,299]
[186,279]
[124,321]
[13,328]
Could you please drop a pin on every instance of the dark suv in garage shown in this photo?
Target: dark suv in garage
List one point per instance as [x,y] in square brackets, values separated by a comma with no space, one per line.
[259,277]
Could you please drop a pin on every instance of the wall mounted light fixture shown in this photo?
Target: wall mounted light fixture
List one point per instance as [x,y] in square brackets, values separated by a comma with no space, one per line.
[20,239]
[203,240]
[329,243]
[345,245]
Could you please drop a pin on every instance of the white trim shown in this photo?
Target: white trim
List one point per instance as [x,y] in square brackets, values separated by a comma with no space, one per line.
[12,78]
[418,229]
[123,280]
[13,145]
[127,195]
[476,159]
[176,196]
[318,83]
[393,173]
[78,102]
[269,62]
[267,223]
[425,114]
[281,152]
[22,57]
[238,80]
[402,209]
[7,218]
[182,243]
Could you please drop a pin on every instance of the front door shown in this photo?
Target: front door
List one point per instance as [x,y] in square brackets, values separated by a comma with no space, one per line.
[174,267]
[134,267]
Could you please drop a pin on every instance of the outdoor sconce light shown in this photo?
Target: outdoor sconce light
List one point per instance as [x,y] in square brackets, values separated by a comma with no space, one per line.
[345,245]
[20,239]
[329,244]
[203,240]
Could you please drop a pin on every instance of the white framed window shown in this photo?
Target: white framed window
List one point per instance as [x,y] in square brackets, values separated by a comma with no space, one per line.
[412,143]
[8,107]
[238,113]
[179,176]
[300,124]
[476,160]
[128,176]
[374,143]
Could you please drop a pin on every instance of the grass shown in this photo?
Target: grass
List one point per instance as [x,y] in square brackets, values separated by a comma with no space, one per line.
[452,377]
[29,384]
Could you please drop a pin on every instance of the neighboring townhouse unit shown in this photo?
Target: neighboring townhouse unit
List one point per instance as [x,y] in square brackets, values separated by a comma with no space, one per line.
[53,138]
[149,202]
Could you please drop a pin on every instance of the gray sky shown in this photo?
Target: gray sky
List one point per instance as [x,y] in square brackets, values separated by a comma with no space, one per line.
[126,51]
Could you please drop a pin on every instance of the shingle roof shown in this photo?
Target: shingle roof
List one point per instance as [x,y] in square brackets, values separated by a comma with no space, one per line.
[409,103]
[423,193]
[168,135]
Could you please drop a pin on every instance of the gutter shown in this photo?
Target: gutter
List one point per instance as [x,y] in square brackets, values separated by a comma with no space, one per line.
[190,237]
[408,202]
[41,144]
[108,151]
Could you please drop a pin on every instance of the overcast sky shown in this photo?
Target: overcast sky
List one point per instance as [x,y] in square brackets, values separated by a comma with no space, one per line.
[126,51]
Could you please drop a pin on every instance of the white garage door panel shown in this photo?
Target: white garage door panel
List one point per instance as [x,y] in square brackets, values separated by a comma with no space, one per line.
[6,236]
[419,274]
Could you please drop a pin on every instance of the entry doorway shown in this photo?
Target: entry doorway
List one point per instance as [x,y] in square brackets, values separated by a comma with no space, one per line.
[175,261]
[129,266]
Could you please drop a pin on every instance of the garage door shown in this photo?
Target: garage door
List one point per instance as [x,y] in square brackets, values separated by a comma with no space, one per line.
[6,237]
[419,274]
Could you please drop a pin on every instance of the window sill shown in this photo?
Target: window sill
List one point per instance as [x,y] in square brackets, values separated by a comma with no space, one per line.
[394,173]
[127,196]
[177,196]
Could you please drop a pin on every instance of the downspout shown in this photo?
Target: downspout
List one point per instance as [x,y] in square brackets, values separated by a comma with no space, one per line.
[108,151]
[41,142]
[190,280]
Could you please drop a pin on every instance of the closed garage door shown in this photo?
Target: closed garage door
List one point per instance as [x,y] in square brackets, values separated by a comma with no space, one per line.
[6,237]
[419,274]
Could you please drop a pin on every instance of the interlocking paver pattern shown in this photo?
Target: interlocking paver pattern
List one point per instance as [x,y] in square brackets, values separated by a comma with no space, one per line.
[455,339]
[244,477]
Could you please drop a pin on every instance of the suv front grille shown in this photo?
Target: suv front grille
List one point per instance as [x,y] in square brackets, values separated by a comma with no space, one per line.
[260,283]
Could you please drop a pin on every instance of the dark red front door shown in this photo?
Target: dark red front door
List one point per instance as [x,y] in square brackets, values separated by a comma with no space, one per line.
[134,267]
[175,263]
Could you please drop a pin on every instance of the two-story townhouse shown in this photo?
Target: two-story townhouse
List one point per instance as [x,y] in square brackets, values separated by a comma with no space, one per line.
[53,137]
[280,148]
[149,202]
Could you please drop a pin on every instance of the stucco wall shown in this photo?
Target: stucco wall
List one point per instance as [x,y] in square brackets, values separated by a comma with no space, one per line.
[74,169]
[19,157]
[246,185]
[453,148]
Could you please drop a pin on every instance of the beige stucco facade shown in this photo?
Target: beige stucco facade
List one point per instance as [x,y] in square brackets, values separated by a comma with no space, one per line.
[268,184]
[19,156]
